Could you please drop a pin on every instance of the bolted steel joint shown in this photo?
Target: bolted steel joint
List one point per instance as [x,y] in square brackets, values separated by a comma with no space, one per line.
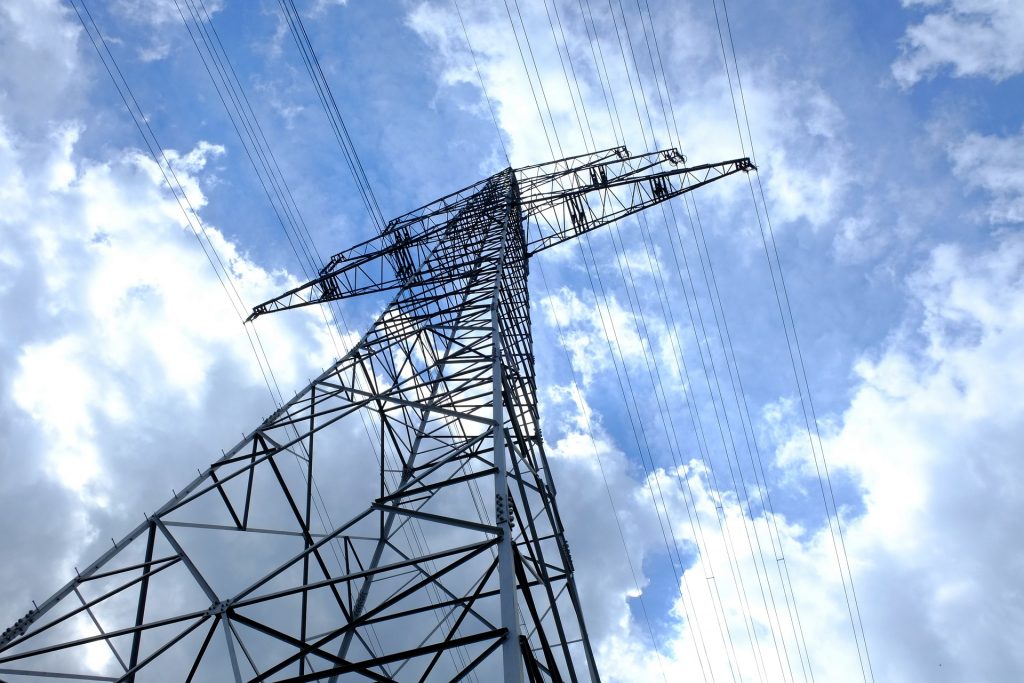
[18,628]
[219,607]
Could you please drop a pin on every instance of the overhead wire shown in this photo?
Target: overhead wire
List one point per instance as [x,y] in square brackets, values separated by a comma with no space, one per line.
[163,162]
[622,388]
[483,87]
[741,485]
[199,230]
[370,201]
[603,75]
[639,435]
[797,360]
[333,112]
[612,122]
[550,117]
[740,394]
[697,633]
[331,109]
[264,162]
[583,409]
[774,609]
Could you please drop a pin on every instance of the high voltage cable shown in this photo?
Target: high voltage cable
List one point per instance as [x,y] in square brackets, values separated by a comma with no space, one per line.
[644,227]
[237,104]
[608,338]
[639,320]
[599,65]
[170,178]
[597,455]
[799,361]
[584,413]
[695,632]
[480,78]
[222,272]
[738,393]
[330,106]
[585,137]
[240,111]
[243,118]
[672,242]
[796,358]
[762,489]
[727,430]
[344,140]
[641,433]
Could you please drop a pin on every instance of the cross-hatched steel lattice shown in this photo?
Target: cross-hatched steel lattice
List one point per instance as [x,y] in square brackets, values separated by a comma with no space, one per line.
[459,569]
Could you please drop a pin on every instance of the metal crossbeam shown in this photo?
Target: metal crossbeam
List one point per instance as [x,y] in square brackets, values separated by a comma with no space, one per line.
[559,200]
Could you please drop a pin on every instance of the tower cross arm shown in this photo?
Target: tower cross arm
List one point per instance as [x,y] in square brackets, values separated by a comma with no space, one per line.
[558,200]
[563,204]
[392,259]
[363,269]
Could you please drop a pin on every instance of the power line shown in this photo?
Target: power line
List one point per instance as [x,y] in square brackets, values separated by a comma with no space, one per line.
[160,158]
[277,192]
[331,109]
[737,575]
[585,416]
[726,339]
[796,358]
[483,87]
[223,274]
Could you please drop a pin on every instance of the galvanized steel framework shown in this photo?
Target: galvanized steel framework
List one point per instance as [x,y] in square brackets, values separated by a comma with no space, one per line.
[457,587]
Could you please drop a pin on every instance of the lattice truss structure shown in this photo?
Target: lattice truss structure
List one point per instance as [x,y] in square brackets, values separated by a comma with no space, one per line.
[459,568]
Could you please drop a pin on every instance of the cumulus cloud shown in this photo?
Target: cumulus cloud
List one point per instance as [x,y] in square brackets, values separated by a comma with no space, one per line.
[798,128]
[586,325]
[931,436]
[993,163]
[904,437]
[113,299]
[971,37]
[321,6]
[159,20]
[42,76]
[116,332]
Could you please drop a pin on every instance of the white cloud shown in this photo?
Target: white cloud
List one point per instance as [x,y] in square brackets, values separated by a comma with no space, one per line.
[116,333]
[798,128]
[161,12]
[993,163]
[161,20]
[932,436]
[115,256]
[321,6]
[972,37]
[585,326]
[41,75]
[899,444]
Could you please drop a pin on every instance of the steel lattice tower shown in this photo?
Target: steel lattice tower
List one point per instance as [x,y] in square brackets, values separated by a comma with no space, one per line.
[460,567]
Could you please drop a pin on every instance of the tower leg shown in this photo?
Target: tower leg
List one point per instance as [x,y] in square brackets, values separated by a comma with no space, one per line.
[511,655]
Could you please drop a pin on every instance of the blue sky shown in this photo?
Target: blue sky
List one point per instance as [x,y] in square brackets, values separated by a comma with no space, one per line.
[889,138]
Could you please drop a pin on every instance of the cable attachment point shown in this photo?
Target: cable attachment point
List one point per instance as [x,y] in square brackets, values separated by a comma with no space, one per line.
[673,156]
[19,628]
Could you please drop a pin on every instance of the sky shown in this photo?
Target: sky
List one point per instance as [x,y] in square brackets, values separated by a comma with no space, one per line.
[889,138]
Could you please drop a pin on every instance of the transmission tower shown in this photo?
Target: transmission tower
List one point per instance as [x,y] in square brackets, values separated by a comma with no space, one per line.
[459,568]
